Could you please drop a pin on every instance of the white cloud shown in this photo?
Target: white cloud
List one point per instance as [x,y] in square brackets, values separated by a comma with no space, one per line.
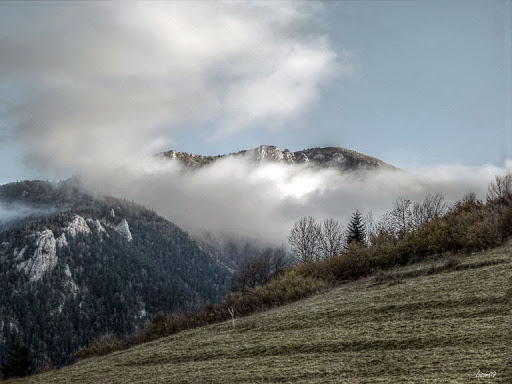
[102,81]
[262,201]
[97,86]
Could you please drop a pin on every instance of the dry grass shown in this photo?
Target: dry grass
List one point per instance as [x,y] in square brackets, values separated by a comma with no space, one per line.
[440,325]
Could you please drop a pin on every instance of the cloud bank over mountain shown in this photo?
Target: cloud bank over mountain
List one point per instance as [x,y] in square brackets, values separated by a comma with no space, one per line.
[97,88]
[263,200]
[94,82]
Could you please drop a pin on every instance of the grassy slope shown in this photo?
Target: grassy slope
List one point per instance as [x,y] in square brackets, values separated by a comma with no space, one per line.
[435,328]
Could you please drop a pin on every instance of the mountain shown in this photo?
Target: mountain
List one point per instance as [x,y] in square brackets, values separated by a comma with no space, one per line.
[416,327]
[336,157]
[74,265]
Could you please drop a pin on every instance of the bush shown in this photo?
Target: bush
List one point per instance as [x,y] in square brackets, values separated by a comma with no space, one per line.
[103,345]
[287,288]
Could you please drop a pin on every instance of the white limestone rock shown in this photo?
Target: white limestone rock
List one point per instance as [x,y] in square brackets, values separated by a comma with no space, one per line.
[77,226]
[96,225]
[288,157]
[266,153]
[44,259]
[61,241]
[124,230]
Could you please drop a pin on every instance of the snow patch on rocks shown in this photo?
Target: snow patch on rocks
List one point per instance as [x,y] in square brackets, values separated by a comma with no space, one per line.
[44,258]
[124,230]
[76,226]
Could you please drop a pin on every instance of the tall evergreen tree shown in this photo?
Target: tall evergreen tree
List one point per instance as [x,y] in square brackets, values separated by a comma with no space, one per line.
[356,231]
[19,361]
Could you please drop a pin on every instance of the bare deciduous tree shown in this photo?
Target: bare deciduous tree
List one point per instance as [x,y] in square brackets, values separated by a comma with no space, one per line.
[470,198]
[254,271]
[332,239]
[305,239]
[259,269]
[371,225]
[468,202]
[430,208]
[401,216]
[280,260]
[231,311]
[501,189]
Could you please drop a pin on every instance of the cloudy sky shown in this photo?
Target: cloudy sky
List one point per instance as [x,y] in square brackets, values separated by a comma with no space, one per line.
[95,86]
[415,83]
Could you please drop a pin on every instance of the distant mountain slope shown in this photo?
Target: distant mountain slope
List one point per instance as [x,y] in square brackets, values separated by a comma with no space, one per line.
[76,265]
[339,158]
[432,328]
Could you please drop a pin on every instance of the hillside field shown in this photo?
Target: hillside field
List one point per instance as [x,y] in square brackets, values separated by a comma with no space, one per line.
[451,326]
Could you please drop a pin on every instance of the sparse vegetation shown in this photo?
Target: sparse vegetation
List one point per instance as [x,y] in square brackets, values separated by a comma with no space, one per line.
[103,345]
[431,328]
[288,287]
[261,268]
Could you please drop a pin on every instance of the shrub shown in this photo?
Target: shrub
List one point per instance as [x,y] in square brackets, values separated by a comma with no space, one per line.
[100,346]
[289,287]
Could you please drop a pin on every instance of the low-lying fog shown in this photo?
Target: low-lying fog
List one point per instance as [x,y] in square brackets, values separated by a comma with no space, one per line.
[263,200]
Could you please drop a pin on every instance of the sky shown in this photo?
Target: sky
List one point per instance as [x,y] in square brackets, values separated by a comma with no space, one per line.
[97,88]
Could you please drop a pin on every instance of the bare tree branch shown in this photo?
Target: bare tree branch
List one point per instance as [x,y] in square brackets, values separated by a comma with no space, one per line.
[305,239]
[332,239]
[501,189]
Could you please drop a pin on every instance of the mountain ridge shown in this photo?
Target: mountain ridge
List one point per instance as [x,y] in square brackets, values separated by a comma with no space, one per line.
[337,157]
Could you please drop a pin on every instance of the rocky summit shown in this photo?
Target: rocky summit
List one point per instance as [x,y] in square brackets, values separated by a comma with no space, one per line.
[336,157]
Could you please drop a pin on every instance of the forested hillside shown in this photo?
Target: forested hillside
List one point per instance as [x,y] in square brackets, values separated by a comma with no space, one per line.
[75,266]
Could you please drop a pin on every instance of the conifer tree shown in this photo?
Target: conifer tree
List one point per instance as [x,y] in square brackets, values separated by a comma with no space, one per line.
[18,362]
[356,231]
